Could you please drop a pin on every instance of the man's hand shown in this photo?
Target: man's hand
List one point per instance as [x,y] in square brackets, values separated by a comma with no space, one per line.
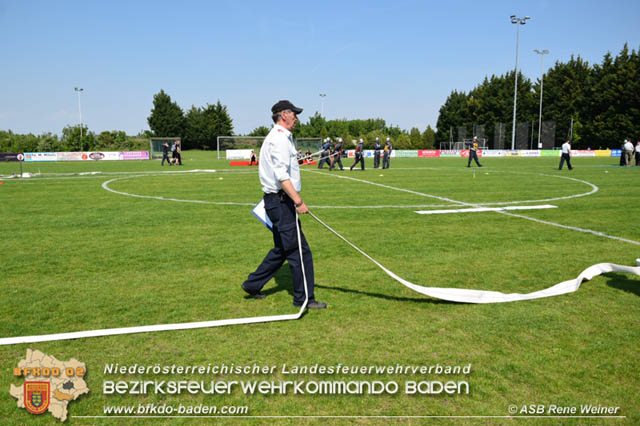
[302,208]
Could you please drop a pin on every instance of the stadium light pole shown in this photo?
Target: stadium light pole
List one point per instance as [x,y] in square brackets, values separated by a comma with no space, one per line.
[518,22]
[322,96]
[79,90]
[541,53]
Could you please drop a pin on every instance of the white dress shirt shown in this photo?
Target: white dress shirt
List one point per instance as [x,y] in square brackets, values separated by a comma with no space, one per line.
[278,161]
[628,146]
[566,148]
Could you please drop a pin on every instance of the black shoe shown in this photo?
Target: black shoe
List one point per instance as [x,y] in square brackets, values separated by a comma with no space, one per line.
[312,304]
[258,295]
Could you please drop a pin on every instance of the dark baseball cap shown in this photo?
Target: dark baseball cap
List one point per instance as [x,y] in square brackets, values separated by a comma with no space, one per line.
[284,105]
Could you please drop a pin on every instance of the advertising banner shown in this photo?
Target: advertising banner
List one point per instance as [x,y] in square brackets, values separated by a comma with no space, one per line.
[530,153]
[429,153]
[465,153]
[494,153]
[603,153]
[449,153]
[9,156]
[405,153]
[616,152]
[582,153]
[40,156]
[134,155]
[238,154]
[87,156]
[550,153]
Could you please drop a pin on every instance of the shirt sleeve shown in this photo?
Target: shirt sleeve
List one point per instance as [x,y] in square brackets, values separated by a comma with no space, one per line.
[281,158]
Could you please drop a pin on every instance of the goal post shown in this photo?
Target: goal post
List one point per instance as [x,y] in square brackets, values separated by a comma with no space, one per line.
[225,143]
[155,146]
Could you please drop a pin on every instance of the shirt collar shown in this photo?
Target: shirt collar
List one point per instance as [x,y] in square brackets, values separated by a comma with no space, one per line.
[286,132]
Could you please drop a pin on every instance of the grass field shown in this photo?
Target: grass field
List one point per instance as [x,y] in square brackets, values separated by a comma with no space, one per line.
[76,256]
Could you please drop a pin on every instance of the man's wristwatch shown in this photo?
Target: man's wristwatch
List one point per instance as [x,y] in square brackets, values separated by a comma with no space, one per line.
[299,204]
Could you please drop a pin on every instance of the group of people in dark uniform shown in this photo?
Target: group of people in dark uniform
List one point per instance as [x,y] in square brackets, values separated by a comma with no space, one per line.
[331,154]
[176,153]
[377,148]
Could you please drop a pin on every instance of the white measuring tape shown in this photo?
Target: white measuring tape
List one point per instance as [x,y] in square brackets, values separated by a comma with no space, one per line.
[450,294]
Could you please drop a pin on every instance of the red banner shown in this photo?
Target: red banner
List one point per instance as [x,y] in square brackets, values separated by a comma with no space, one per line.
[428,153]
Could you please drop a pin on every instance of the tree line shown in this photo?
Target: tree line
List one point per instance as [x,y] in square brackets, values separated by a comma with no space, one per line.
[603,101]
[318,126]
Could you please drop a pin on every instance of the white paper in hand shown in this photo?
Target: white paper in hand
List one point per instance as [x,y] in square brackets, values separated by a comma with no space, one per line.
[260,212]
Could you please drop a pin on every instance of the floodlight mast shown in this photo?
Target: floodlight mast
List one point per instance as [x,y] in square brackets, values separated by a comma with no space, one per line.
[518,22]
[79,90]
[541,53]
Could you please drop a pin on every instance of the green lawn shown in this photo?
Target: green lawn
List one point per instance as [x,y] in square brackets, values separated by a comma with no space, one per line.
[78,257]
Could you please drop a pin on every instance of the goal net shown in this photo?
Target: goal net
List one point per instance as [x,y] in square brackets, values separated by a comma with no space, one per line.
[465,144]
[155,146]
[255,142]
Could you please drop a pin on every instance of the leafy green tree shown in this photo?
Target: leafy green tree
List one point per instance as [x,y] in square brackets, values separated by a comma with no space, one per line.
[415,138]
[195,132]
[567,89]
[75,140]
[167,118]
[429,138]
[260,131]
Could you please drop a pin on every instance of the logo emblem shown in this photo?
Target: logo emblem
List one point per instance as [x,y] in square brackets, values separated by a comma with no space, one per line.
[36,396]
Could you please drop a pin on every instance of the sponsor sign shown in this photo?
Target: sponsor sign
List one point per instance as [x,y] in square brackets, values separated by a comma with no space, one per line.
[238,154]
[40,156]
[407,153]
[450,153]
[494,153]
[134,155]
[616,152]
[9,156]
[428,153]
[582,153]
[529,153]
[86,156]
[550,153]
[603,153]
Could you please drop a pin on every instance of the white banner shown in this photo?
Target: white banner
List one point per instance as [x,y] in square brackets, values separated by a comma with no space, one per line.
[238,154]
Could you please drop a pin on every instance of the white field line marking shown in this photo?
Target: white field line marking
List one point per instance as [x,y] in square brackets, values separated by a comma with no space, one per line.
[544,222]
[486,209]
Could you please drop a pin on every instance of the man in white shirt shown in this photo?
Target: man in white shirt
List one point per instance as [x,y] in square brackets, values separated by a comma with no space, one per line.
[628,152]
[280,178]
[566,155]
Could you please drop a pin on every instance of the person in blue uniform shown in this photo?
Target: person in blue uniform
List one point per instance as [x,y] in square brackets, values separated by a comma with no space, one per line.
[279,174]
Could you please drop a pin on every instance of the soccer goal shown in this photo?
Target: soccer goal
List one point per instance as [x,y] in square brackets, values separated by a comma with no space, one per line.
[155,146]
[255,142]
[465,144]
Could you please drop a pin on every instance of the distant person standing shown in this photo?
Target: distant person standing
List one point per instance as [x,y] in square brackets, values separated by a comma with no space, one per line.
[376,153]
[337,155]
[628,152]
[253,158]
[359,155]
[638,154]
[324,154]
[386,156]
[473,153]
[566,155]
[165,153]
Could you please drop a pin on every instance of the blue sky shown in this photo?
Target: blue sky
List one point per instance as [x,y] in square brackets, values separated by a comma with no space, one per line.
[394,60]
